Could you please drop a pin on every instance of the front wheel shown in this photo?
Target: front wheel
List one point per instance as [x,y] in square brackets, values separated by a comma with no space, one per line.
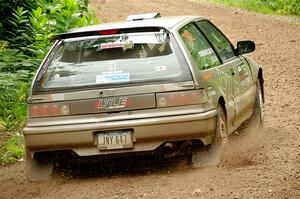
[213,155]
[38,168]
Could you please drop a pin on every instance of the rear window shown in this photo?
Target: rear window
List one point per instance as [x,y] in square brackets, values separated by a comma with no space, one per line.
[113,60]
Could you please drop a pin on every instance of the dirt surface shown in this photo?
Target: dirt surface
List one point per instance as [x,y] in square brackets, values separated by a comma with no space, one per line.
[262,164]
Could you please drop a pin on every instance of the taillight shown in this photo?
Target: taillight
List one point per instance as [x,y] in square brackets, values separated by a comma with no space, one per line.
[108,32]
[181,98]
[49,109]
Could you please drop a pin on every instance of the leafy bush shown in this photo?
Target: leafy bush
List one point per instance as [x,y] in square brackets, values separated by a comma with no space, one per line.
[56,17]
[28,41]
[6,10]
[14,88]
[13,60]
[26,28]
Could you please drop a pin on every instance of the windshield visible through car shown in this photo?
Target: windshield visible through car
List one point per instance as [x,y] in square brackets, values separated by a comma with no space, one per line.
[111,60]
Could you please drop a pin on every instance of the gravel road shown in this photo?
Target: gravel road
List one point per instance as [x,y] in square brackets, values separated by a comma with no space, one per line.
[261,164]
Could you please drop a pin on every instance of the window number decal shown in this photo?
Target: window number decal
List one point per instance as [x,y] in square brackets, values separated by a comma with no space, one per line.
[244,76]
[160,68]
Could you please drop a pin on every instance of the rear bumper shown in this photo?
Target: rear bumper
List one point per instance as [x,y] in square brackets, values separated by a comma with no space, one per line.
[148,133]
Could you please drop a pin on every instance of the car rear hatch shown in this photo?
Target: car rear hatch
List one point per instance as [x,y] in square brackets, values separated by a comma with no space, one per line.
[109,73]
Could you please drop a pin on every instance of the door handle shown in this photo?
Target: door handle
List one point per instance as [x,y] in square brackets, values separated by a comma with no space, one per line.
[232,72]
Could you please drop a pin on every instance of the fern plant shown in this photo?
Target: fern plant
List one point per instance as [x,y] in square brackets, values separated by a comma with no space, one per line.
[20,33]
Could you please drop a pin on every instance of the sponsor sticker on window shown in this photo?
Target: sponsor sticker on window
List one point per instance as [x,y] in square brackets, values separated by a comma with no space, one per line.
[112,78]
[111,45]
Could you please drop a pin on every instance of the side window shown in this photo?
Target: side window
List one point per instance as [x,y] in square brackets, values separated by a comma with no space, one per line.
[199,47]
[217,39]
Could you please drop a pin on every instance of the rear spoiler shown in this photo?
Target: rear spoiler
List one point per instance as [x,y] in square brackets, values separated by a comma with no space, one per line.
[143,16]
[104,32]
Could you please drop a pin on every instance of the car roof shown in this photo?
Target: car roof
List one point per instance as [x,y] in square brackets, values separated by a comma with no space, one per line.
[164,22]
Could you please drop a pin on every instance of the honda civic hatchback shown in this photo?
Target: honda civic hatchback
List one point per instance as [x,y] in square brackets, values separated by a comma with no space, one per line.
[138,86]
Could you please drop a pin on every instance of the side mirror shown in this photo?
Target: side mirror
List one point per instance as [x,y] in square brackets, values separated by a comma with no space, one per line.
[244,47]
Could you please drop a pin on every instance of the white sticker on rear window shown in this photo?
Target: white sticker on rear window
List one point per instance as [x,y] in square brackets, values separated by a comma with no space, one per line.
[112,78]
[56,76]
[160,68]
[205,52]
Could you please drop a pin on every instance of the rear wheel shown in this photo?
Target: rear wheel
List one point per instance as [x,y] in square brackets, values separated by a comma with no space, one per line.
[38,168]
[213,154]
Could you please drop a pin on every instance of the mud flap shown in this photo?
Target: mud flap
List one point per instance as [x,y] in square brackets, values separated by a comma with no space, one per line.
[38,169]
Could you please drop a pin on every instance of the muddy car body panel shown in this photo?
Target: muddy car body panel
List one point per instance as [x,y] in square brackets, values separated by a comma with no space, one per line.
[148,112]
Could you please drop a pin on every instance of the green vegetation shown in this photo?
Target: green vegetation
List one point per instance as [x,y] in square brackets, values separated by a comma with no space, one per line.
[280,7]
[11,148]
[26,28]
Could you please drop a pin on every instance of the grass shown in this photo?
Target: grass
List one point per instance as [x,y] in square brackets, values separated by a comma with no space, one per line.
[278,7]
[11,147]
[249,5]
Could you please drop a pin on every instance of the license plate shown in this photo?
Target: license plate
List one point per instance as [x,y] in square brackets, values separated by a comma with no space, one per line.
[115,140]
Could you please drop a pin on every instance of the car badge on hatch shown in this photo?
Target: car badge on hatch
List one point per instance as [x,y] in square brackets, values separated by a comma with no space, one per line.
[112,103]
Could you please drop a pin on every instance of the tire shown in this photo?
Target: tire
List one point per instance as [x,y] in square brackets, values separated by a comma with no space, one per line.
[257,120]
[39,168]
[214,154]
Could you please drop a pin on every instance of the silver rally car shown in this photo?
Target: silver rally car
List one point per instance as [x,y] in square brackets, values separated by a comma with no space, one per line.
[140,85]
